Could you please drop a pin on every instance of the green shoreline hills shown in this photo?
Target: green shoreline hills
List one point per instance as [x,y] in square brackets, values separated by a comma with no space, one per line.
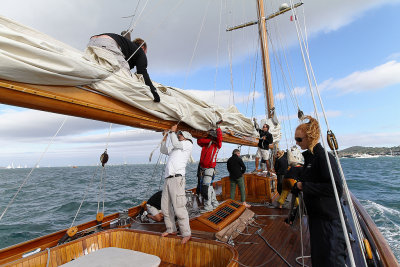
[381,151]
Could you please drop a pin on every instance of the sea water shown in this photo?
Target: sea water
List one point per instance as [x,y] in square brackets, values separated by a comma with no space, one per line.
[51,197]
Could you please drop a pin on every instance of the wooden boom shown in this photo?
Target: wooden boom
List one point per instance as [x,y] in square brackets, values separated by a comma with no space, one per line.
[87,103]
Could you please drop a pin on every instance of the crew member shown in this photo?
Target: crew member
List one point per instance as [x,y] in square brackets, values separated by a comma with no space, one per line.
[327,241]
[264,141]
[153,206]
[281,167]
[173,200]
[236,169]
[208,160]
[129,55]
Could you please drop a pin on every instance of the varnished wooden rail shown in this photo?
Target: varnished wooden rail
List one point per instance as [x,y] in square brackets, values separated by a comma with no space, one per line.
[169,249]
[15,252]
[385,252]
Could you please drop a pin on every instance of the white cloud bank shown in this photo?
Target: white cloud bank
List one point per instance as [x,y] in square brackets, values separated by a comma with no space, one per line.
[379,77]
[174,30]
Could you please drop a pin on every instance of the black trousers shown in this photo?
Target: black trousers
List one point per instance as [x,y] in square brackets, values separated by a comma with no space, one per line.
[328,246]
[280,181]
[198,187]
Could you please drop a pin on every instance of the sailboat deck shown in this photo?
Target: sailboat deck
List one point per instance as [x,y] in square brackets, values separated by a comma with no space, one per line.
[252,249]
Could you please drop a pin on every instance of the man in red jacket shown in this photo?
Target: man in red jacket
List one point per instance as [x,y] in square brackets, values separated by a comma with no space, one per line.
[208,159]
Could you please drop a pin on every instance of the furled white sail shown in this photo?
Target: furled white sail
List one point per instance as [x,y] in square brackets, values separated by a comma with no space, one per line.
[29,56]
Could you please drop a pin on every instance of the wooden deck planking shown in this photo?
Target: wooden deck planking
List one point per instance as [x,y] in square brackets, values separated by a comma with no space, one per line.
[282,237]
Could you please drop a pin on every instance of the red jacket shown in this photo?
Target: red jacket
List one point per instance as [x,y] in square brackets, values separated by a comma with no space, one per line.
[209,151]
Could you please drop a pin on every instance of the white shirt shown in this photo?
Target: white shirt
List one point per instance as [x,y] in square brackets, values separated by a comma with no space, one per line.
[179,155]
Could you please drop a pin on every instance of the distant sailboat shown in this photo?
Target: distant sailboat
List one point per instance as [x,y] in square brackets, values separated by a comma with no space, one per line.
[10,166]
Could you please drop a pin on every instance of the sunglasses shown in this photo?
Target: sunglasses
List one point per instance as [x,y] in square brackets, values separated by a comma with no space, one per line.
[298,139]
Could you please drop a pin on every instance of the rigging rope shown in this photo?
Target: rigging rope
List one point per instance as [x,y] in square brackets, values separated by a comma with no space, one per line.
[33,168]
[349,250]
[360,235]
[253,75]
[197,42]
[218,44]
[168,15]
[84,197]
[141,12]
[131,23]
[276,59]
[103,174]
[229,45]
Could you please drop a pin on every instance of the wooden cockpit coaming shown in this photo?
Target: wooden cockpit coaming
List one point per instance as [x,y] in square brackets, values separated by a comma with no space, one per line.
[169,250]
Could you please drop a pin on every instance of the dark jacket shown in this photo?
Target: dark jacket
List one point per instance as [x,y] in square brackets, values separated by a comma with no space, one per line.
[138,60]
[281,165]
[235,167]
[317,186]
[264,143]
[294,172]
[155,200]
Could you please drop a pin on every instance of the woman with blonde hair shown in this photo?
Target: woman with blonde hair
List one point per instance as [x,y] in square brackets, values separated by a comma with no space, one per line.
[327,241]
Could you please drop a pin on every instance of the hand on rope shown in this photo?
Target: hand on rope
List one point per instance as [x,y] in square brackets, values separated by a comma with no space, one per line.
[165,135]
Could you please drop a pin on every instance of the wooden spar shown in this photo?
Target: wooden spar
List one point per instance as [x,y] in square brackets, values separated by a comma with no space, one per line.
[264,48]
[73,101]
[267,18]
[265,57]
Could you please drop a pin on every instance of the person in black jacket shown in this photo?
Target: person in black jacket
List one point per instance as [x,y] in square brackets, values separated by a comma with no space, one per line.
[153,206]
[280,166]
[264,141]
[328,246]
[129,55]
[236,169]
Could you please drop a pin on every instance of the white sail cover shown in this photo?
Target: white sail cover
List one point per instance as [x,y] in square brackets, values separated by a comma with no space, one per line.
[29,56]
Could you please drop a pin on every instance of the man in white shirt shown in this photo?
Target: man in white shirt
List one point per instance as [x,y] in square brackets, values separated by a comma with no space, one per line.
[173,200]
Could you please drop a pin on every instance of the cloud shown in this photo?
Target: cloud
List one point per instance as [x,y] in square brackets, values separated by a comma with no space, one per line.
[329,114]
[377,78]
[176,35]
[224,98]
[280,96]
[299,91]
[394,56]
[27,125]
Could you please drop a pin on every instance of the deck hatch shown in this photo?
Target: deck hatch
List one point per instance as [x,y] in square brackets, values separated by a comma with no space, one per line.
[214,219]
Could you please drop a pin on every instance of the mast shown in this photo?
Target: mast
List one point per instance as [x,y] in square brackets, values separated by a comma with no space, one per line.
[265,57]
[262,30]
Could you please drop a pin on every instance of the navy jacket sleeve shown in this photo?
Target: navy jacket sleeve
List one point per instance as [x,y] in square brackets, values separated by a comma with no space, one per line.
[325,188]
[141,68]
[242,166]
[270,138]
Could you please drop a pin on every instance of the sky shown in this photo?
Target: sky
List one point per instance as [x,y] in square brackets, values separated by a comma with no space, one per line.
[354,48]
